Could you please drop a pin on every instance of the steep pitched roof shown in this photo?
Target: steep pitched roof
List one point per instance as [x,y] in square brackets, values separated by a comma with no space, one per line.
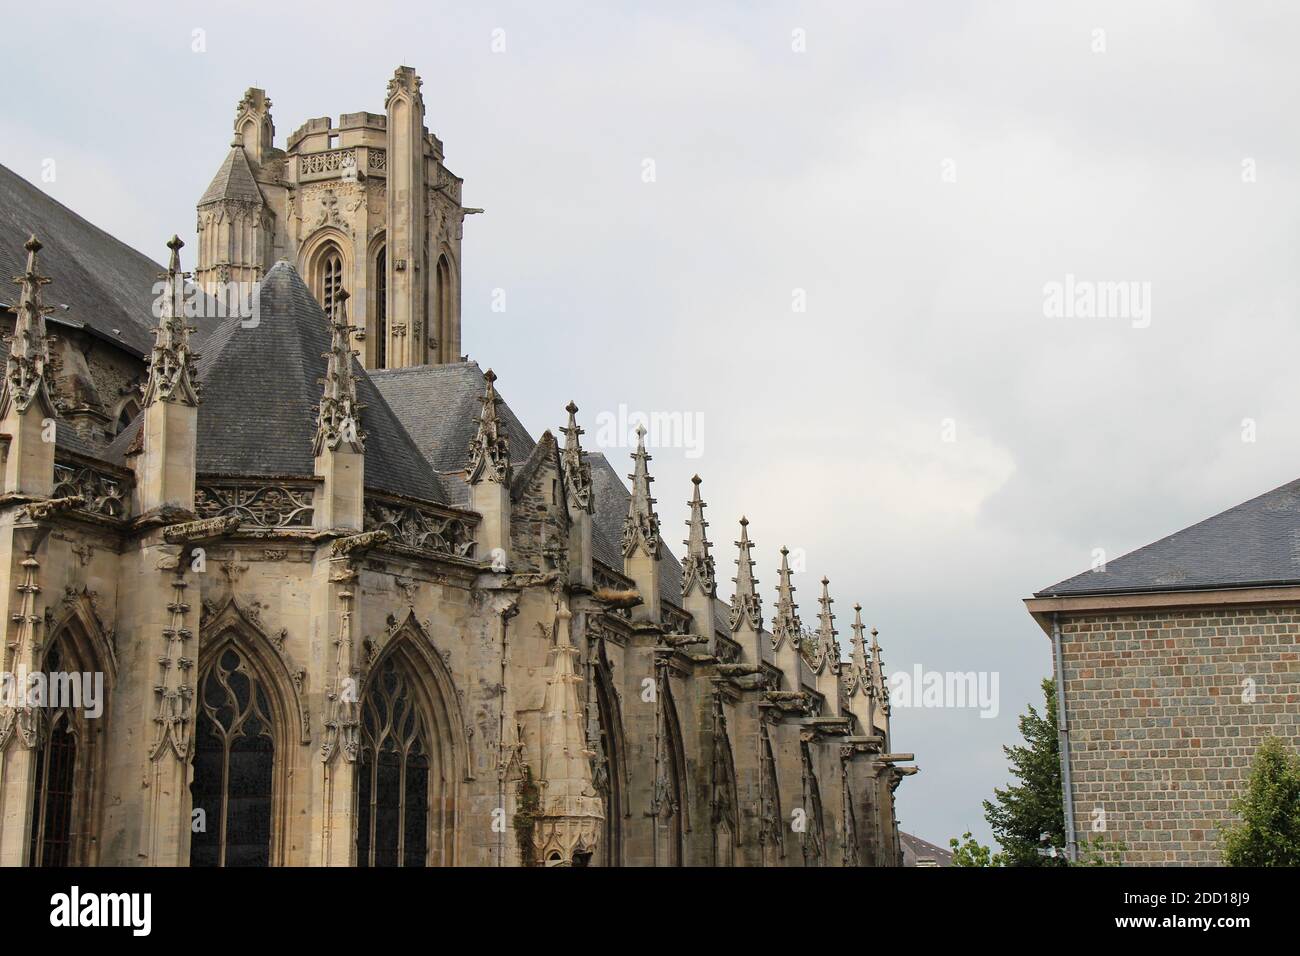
[439,405]
[1255,543]
[100,284]
[261,390]
[234,180]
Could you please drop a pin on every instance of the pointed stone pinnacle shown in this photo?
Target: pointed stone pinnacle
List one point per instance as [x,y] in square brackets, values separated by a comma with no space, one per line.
[641,527]
[489,451]
[697,564]
[29,349]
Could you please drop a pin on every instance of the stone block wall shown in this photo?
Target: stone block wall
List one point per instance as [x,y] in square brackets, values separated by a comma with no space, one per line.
[1166,711]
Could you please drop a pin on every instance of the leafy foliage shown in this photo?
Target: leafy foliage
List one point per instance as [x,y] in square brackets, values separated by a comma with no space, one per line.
[1268,831]
[1021,813]
[971,852]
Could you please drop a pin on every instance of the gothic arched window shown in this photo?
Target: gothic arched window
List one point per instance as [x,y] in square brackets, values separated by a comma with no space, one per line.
[381,309]
[393,773]
[329,279]
[234,759]
[607,776]
[56,774]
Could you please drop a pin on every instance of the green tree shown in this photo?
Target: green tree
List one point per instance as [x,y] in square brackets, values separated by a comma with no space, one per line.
[972,853]
[1268,832]
[1024,811]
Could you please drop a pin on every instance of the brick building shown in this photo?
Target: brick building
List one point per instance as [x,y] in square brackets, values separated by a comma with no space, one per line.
[1173,664]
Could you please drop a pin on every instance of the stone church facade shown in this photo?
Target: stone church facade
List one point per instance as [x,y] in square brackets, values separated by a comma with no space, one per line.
[345,609]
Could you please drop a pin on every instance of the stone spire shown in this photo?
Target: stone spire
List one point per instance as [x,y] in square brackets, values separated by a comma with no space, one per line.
[641,529]
[172,377]
[570,815]
[697,566]
[641,540]
[577,471]
[489,451]
[859,652]
[827,645]
[786,626]
[29,350]
[787,631]
[855,679]
[580,500]
[826,662]
[489,474]
[880,692]
[338,420]
[746,606]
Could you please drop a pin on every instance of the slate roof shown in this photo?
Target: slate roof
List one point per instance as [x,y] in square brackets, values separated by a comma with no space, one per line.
[1254,544]
[100,284]
[262,387]
[234,180]
[918,852]
[439,407]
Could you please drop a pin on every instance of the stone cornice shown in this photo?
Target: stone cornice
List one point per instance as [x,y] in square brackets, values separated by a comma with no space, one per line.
[1043,608]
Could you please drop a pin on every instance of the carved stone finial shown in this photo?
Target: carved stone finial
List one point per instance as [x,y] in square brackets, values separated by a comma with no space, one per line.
[489,450]
[405,80]
[338,420]
[828,648]
[697,565]
[172,377]
[577,471]
[641,527]
[29,350]
[786,626]
[746,606]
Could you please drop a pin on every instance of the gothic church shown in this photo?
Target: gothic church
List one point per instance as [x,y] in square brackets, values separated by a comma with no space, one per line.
[347,611]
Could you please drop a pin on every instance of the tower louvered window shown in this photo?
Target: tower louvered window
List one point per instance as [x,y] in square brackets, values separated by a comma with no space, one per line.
[331,280]
[381,309]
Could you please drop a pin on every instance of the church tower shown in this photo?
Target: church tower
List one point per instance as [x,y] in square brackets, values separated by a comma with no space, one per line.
[367,206]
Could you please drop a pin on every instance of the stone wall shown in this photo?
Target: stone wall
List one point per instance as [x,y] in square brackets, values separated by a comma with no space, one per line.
[1166,711]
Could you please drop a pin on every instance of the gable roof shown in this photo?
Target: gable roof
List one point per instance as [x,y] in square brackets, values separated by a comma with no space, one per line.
[1254,544]
[262,388]
[100,284]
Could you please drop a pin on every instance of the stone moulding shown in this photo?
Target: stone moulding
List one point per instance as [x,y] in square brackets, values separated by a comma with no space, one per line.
[422,528]
[105,493]
[274,504]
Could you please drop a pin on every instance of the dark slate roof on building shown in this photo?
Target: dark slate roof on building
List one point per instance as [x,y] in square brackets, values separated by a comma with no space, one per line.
[100,284]
[612,497]
[918,852]
[1254,544]
[262,387]
[234,180]
[439,405]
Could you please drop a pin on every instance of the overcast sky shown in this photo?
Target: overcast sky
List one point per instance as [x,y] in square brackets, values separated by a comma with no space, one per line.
[921,171]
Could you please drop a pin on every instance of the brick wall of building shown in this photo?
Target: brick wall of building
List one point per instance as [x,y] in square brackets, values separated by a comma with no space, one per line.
[1166,711]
